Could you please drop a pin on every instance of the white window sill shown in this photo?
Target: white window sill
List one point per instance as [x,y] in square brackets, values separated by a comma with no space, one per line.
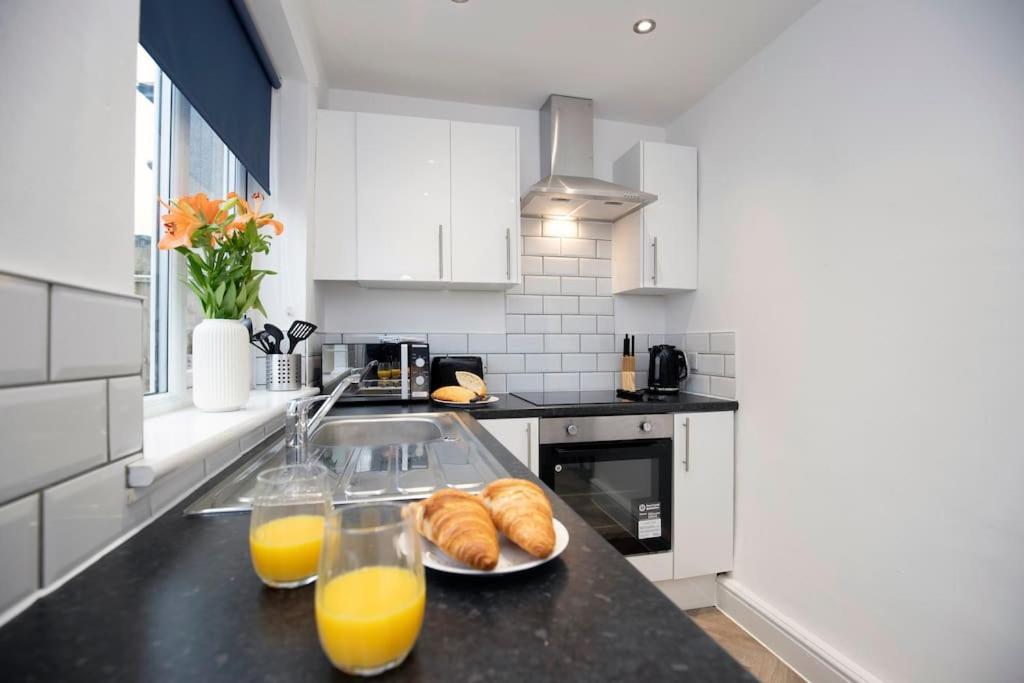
[181,437]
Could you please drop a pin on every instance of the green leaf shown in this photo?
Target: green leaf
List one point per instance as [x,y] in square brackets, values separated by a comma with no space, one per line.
[229,298]
[218,294]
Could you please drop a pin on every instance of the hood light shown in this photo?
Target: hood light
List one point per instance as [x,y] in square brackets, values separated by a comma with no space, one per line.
[644,26]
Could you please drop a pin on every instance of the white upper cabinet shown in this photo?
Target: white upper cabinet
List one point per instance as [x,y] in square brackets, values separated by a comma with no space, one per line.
[403,198]
[485,204]
[655,249]
[334,208]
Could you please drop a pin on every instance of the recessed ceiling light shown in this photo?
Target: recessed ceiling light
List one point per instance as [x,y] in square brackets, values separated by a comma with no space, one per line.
[643,26]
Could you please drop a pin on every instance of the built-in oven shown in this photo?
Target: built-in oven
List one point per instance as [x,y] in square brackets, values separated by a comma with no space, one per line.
[616,473]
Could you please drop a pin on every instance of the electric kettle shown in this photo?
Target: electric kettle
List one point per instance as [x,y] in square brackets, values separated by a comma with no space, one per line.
[667,369]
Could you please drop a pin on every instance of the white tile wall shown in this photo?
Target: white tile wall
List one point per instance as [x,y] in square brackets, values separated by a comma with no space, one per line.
[124,395]
[525,343]
[585,286]
[486,343]
[550,324]
[557,265]
[712,362]
[24,312]
[580,324]
[50,431]
[19,541]
[448,343]
[514,324]
[114,327]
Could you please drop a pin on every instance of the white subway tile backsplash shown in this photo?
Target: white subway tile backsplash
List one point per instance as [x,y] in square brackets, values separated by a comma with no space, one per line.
[542,246]
[529,226]
[597,381]
[582,324]
[82,515]
[532,265]
[698,342]
[603,343]
[560,265]
[515,324]
[577,362]
[604,286]
[118,352]
[655,339]
[698,384]
[579,286]
[525,343]
[486,343]
[529,382]
[544,323]
[24,310]
[676,340]
[561,343]
[557,228]
[561,381]
[19,550]
[543,362]
[691,362]
[505,362]
[595,267]
[723,387]
[125,404]
[578,247]
[711,364]
[604,249]
[730,366]
[50,431]
[596,230]
[517,288]
[723,342]
[641,341]
[496,384]
[561,304]
[599,305]
[441,344]
[165,490]
[542,284]
[522,303]
[605,324]
[610,362]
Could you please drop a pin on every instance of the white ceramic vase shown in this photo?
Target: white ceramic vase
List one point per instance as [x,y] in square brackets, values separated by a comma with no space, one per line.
[221,365]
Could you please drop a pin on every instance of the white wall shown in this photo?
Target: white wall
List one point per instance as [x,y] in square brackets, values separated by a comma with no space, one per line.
[67,113]
[350,308]
[862,228]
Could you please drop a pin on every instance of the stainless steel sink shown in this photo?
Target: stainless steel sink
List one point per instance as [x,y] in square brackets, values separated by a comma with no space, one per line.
[386,457]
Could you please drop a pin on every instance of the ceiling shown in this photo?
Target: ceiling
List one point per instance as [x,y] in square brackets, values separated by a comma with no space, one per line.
[516,52]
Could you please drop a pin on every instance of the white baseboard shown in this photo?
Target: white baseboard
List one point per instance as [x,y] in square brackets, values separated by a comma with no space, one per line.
[801,651]
[699,591]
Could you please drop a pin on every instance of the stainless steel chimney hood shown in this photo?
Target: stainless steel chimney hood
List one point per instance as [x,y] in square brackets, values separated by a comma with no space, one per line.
[569,189]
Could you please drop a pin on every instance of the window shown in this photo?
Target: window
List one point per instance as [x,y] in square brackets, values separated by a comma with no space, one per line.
[176,153]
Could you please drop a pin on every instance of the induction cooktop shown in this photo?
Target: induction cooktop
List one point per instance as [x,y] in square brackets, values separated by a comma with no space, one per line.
[572,398]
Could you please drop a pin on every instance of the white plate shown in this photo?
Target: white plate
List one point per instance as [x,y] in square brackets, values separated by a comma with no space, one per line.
[455,404]
[511,557]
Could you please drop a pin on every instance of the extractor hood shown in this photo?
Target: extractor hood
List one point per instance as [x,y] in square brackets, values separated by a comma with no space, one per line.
[569,189]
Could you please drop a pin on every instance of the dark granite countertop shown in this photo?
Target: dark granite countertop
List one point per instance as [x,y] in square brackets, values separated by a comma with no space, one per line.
[513,406]
[179,602]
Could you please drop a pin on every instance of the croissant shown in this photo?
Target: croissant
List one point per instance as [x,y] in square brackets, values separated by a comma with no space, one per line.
[459,524]
[522,512]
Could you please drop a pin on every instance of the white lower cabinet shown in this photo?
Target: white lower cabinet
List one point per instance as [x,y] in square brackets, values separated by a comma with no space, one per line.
[519,436]
[702,497]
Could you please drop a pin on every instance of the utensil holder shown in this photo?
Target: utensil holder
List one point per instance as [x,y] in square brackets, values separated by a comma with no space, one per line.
[284,372]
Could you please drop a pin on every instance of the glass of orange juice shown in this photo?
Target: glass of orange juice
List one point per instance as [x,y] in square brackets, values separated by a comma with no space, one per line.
[371,592]
[287,526]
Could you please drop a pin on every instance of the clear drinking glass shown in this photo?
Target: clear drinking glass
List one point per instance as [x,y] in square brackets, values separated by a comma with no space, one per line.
[287,525]
[371,593]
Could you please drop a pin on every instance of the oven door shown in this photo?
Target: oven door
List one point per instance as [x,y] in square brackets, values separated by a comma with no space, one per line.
[623,489]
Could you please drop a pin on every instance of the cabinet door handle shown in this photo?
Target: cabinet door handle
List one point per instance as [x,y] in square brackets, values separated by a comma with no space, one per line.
[529,447]
[508,255]
[686,445]
[440,251]
[654,263]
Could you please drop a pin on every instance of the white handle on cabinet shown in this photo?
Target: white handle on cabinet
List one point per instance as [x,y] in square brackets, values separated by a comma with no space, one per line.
[529,446]
[508,253]
[440,252]
[654,261]
[686,445]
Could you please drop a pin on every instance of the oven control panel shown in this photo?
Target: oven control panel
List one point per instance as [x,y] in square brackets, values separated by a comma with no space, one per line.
[419,370]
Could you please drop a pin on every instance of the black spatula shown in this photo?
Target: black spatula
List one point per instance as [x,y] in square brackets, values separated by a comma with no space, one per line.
[299,332]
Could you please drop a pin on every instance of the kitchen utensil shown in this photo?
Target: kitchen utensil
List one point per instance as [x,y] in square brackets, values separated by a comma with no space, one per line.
[667,368]
[371,589]
[511,558]
[299,331]
[284,372]
[248,325]
[628,366]
[263,341]
[287,524]
[278,336]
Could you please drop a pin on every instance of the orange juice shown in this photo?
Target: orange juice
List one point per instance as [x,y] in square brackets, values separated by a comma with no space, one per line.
[370,617]
[287,549]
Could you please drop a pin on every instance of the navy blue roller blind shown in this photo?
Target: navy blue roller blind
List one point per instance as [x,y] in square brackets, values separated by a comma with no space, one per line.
[210,50]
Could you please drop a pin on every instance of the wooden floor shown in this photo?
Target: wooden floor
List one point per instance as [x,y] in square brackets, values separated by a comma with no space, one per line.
[765,666]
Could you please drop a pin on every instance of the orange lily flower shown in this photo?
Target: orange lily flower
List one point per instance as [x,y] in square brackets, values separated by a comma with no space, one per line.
[179,225]
[246,213]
